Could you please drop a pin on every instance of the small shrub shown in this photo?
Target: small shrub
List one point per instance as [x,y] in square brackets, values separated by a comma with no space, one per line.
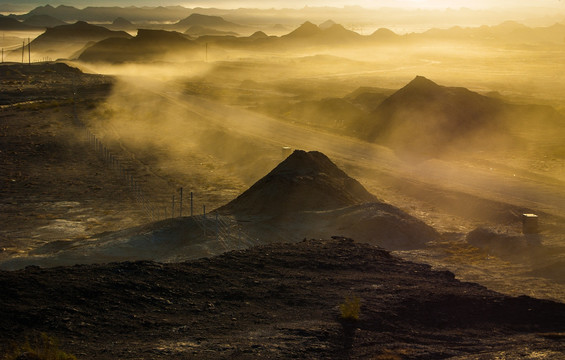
[350,309]
[42,347]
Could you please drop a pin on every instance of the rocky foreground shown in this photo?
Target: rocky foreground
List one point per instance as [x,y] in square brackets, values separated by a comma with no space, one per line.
[276,301]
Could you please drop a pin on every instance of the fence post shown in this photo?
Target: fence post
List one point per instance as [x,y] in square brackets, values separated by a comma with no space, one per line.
[217,228]
[180,203]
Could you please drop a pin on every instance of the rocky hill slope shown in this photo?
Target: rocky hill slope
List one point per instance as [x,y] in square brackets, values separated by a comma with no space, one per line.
[277,301]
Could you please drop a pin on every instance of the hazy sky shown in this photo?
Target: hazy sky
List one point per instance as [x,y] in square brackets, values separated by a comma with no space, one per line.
[295,3]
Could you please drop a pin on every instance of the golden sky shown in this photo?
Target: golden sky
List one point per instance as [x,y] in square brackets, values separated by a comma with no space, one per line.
[454,4]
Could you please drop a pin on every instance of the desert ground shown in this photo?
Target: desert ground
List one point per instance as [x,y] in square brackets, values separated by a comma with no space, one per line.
[94,156]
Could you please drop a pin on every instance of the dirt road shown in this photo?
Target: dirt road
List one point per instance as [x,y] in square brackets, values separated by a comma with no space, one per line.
[518,187]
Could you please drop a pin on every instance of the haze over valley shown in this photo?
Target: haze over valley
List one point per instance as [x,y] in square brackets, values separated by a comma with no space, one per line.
[187,138]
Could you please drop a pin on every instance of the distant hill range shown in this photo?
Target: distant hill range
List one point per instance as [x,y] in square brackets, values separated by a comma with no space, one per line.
[199,30]
[45,21]
[122,24]
[146,46]
[8,23]
[108,14]
[67,39]
[182,18]
[331,33]
[208,21]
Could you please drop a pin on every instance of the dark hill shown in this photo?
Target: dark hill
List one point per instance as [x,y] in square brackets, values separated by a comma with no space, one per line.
[122,23]
[427,119]
[384,34]
[314,35]
[330,113]
[206,21]
[9,24]
[368,98]
[279,301]
[60,12]
[304,181]
[148,45]
[45,21]
[258,35]
[199,30]
[77,34]
[327,24]
[305,30]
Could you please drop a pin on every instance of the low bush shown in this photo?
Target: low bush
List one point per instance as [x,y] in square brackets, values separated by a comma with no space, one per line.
[41,347]
[350,309]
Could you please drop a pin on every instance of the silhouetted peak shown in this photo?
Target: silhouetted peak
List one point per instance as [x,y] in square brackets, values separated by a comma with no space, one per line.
[205,20]
[338,29]
[384,33]
[421,84]
[258,35]
[120,21]
[304,30]
[304,181]
[303,163]
[160,35]
[327,24]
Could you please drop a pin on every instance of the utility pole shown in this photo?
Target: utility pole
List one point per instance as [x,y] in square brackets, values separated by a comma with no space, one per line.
[23,48]
[29,50]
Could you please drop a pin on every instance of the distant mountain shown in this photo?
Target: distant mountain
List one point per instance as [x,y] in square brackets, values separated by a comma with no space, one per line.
[368,98]
[332,113]
[216,22]
[10,24]
[507,32]
[108,14]
[62,12]
[70,38]
[122,23]
[424,119]
[45,21]
[384,34]
[314,35]
[258,35]
[198,30]
[327,24]
[305,30]
[148,45]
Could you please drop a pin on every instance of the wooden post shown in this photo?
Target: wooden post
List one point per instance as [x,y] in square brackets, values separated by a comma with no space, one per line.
[180,203]
[217,228]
